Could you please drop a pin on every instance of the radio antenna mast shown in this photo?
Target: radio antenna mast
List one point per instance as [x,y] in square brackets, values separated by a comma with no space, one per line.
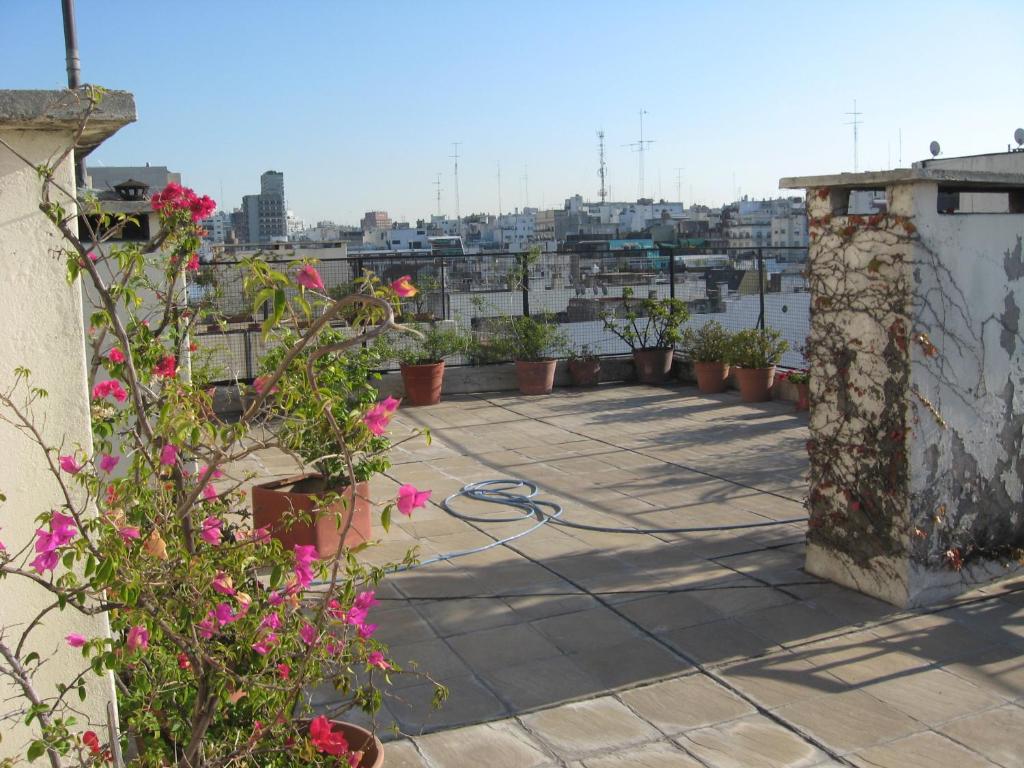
[640,147]
[602,169]
[856,122]
[438,185]
[455,145]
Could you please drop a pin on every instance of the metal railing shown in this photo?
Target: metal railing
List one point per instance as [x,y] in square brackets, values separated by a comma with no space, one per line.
[740,288]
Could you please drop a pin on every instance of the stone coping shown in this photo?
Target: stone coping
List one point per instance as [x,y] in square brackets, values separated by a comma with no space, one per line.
[63,111]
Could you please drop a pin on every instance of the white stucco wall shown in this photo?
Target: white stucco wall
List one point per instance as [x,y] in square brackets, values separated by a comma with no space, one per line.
[41,317]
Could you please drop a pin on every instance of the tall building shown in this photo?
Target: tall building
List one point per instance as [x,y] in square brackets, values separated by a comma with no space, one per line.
[272,212]
[375,220]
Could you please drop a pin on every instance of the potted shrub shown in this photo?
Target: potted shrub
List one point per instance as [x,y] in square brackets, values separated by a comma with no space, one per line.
[801,379]
[421,361]
[651,329]
[210,627]
[755,353]
[533,345]
[708,349]
[584,367]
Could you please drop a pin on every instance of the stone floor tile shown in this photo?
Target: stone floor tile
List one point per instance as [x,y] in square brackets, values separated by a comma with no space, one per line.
[459,617]
[999,670]
[427,657]
[935,637]
[532,607]
[692,701]
[849,721]
[934,696]
[718,642]
[664,612]
[469,702]
[751,741]
[660,755]
[502,647]
[791,624]
[922,750]
[589,727]
[997,734]
[780,679]
[859,658]
[505,744]
[586,629]
[403,754]
[632,663]
[402,624]
[733,600]
[542,683]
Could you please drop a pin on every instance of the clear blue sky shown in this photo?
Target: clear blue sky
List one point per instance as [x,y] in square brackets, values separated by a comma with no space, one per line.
[358,103]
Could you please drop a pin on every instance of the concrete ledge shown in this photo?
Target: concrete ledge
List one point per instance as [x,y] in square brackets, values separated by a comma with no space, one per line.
[64,110]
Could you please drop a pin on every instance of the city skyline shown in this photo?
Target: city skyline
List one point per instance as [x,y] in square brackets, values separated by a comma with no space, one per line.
[360,111]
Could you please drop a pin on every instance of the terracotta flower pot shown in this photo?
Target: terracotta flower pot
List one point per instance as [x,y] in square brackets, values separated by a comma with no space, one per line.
[585,372]
[286,507]
[652,365]
[755,383]
[423,383]
[360,740]
[535,377]
[711,377]
[803,397]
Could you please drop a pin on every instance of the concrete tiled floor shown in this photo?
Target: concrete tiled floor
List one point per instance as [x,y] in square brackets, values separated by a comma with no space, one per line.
[580,648]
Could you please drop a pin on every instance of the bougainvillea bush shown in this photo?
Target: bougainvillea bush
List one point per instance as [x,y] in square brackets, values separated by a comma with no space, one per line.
[216,629]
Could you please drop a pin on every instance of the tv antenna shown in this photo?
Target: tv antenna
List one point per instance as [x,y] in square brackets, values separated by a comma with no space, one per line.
[455,145]
[640,147]
[856,122]
[499,190]
[526,187]
[679,184]
[602,169]
[438,185]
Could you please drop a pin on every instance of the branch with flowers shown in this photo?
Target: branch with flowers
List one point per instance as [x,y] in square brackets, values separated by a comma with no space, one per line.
[217,630]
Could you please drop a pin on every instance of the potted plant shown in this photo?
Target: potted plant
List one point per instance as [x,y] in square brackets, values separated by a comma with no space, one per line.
[533,344]
[801,379]
[207,624]
[584,367]
[708,349]
[755,353]
[421,361]
[651,329]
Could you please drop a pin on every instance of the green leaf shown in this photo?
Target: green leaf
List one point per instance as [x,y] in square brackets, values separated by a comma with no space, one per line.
[36,750]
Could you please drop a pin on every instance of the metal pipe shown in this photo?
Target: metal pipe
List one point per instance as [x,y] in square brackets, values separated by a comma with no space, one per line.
[74,70]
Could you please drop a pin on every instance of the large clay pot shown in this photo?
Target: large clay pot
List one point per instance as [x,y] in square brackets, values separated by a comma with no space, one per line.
[755,383]
[652,365]
[360,740]
[423,383]
[286,508]
[711,377]
[803,397]
[535,377]
[585,372]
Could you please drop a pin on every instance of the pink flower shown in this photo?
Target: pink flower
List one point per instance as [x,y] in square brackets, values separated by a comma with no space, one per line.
[263,646]
[377,418]
[410,498]
[108,462]
[109,388]
[225,614]
[62,530]
[167,367]
[209,492]
[128,533]
[284,671]
[207,626]
[91,255]
[366,631]
[271,621]
[325,740]
[70,465]
[45,561]
[404,287]
[138,639]
[169,454]
[376,659]
[275,598]
[365,601]
[308,277]
[222,583]
[305,555]
[175,198]
[308,633]
[115,355]
[259,384]
[183,662]
[193,263]
[75,640]
[211,533]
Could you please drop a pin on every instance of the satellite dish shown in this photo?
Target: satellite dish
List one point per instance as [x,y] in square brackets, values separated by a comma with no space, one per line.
[934,148]
[1018,136]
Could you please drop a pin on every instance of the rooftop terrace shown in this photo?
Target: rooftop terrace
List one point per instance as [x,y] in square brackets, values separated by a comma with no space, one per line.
[570,647]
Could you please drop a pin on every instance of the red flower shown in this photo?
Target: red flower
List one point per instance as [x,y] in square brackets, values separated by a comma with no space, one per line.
[326,740]
[167,367]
